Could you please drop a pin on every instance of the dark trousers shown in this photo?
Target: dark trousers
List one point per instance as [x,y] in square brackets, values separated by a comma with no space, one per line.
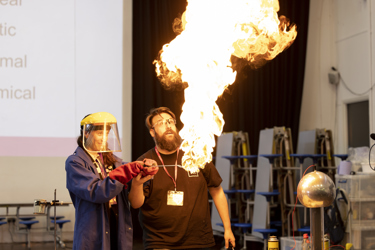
[113,226]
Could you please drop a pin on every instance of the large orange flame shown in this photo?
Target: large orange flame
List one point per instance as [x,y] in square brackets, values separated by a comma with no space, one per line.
[210,32]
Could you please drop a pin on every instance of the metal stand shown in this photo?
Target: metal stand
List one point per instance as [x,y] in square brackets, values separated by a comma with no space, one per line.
[54,217]
[316,222]
[39,208]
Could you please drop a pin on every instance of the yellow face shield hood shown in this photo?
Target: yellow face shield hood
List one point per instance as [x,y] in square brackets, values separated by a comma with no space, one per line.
[100,133]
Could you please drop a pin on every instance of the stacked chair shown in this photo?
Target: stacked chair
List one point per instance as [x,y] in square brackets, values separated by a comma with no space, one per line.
[261,189]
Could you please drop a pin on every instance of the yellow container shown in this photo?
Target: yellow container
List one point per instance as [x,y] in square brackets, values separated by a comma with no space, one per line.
[273,243]
[326,242]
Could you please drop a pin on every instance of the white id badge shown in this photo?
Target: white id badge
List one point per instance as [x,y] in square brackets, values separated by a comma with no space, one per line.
[175,198]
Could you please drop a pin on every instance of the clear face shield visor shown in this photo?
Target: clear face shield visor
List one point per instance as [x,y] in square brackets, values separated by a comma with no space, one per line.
[101,137]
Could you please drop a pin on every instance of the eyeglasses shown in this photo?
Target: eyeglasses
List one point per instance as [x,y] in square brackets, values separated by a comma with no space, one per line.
[164,122]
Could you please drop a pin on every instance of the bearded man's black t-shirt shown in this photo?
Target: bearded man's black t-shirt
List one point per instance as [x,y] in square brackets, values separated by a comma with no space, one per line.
[177,227]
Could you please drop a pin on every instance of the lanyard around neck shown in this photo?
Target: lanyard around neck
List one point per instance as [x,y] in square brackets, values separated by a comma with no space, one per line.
[175,167]
[100,166]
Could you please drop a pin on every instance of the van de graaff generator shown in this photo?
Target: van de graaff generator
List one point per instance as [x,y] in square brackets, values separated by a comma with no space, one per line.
[316,190]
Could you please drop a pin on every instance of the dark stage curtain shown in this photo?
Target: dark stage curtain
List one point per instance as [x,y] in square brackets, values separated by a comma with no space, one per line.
[258,99]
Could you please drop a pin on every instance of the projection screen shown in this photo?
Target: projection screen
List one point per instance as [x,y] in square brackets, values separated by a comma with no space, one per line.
[59,61]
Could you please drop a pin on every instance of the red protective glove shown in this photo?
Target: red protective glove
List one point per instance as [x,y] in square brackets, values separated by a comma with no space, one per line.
[150,167]
[149,162]
[150,170]
[126,172]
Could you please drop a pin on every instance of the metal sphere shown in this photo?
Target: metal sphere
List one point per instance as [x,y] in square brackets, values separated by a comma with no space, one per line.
[316,189]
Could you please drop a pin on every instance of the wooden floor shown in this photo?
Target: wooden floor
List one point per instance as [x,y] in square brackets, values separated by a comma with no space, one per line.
[34,245]
[137,245]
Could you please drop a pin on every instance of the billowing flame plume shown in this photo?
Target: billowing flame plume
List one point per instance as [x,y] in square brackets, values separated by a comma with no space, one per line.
[199,58]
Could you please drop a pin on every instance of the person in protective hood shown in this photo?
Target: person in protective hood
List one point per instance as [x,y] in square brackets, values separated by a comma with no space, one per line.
[97,184]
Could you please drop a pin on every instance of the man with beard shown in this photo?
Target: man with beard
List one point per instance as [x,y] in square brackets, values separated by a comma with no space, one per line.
[174,208]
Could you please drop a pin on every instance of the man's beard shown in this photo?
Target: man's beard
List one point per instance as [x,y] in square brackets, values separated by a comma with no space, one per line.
[166,144]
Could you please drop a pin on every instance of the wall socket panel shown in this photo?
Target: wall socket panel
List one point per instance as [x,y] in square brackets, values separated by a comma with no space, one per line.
[334,77]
